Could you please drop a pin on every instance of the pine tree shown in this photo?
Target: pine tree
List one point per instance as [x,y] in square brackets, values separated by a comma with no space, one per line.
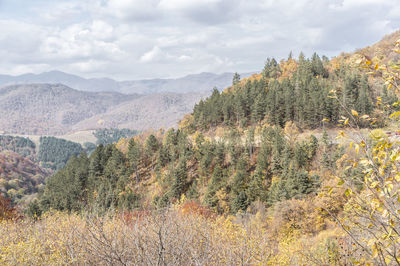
[240,181]
[250,142]
[179,179]
[240,202]
[215,184]
[258,109]
[134,157]
[235,79]
[193,191]
[364,103]
[96,161]
[151,145]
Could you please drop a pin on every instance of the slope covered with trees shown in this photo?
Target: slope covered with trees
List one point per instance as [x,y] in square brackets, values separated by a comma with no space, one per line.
[54,153]
[252,176]
[176,166]
[278,96]
[55,109]
[19,177]
[23,146]
[109,135]
[260,156]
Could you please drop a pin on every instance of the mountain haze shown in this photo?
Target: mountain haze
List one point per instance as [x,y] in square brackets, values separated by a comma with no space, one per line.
[190,83]
[55,109]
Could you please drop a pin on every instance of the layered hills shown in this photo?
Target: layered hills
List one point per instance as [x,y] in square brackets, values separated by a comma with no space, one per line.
[190,83]
[55,109]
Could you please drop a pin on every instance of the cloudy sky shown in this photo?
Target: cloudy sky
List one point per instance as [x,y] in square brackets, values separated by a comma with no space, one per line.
[132,39]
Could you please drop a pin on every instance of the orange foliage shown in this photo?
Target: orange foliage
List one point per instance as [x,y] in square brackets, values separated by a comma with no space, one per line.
[7,212]
[129,217]
[194,208]
[288,68]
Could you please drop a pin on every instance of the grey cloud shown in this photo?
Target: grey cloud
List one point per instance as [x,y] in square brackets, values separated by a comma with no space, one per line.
[127,39]
[207,12]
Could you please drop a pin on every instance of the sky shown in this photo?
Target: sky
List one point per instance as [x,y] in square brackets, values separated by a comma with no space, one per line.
[136,39]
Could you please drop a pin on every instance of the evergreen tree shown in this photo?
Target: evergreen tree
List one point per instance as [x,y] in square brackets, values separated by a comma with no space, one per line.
[179,179]
[215,184]
[364,103]
[235,79]
[134,157]
[193,191]
[240,202]
[151,146]
[96,162]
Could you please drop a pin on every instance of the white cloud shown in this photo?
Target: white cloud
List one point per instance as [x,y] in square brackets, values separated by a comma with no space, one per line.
[130,39]
[154,55]
[133,9]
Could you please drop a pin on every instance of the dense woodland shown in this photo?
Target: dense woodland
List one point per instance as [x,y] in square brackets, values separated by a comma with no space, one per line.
[24,167]
[20,177]
[277,98]
[257,159]
[110,135]
[290,166]
[23,146]
[54,152]
[199,170]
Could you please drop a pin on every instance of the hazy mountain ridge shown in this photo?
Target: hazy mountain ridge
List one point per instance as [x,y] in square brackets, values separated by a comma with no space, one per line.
[149,111]
[55,109]
[195,82]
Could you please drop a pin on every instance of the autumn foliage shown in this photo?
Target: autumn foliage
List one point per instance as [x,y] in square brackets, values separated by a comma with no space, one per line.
[7,211]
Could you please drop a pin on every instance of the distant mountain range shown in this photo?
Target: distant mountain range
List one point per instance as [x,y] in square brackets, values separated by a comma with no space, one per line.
[55,109]
[55,103]
[190,83]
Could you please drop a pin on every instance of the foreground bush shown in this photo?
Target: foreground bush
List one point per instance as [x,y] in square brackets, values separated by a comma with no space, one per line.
[182,235]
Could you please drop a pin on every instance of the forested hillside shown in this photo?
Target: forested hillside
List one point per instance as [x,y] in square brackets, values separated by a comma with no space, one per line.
[23,146]
[110,135]
[54,153]
[20,177]
[25,167]
[297,91]
[237,148]
[292,166]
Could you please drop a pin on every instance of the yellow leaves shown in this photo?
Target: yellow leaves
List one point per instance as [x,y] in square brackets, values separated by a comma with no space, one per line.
[332,94]
[362,143]
[396,51]
[348,192]
[374,251]
[358,61]
[395,114]
[377,134]
[354,112]
[325,120]
[368,62]
[389,187]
